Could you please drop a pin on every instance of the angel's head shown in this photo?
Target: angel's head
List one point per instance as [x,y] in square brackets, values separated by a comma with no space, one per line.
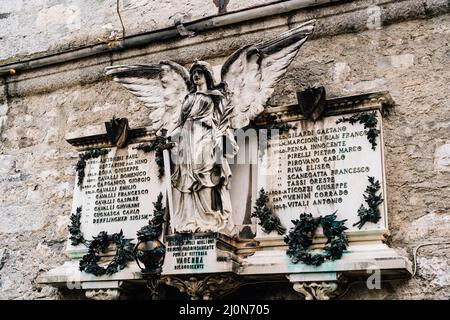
[201,75]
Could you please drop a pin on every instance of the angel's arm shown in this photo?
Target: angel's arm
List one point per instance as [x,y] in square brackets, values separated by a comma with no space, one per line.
[176,131]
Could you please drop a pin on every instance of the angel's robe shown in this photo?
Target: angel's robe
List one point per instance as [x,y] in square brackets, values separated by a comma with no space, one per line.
[202,174]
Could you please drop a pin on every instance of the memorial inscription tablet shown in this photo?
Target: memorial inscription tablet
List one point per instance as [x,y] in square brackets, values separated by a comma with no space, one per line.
[323,167]
[199,253]
[118,191]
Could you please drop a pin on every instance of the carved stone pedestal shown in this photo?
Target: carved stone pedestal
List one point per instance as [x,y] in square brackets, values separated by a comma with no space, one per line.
[204,287]
[103,294]
[316,290]
[318,286]
[104,290]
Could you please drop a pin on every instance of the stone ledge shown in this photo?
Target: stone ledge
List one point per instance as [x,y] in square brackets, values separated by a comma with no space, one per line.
[96,137]
[357,261]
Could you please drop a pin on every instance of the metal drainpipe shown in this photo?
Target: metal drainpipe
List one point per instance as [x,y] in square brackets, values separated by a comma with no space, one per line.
[203,24]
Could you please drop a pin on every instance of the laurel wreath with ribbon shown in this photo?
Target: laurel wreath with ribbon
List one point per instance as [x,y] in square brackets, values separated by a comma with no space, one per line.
[301,236]
[99,244]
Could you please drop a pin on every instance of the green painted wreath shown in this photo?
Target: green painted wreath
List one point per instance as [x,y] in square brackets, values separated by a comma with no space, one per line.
[301,236]
[124,252]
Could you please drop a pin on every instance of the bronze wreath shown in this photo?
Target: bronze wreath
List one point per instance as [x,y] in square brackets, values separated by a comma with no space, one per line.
[301,235]
[124,248]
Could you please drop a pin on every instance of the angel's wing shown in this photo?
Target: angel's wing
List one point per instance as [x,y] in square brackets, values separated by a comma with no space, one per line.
[162,87]
[252,72]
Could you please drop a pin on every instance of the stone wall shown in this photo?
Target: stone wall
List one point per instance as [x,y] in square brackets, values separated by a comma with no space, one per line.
[33,26]
[399,46]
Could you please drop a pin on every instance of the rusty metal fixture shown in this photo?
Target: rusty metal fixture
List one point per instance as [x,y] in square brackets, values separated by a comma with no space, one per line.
[8,72]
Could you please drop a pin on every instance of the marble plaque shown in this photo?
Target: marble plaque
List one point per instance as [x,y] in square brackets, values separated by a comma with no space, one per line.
[199,253]
[118,192]
[323,167]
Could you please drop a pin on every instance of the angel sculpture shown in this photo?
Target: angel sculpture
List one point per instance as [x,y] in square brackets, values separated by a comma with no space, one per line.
[199,116]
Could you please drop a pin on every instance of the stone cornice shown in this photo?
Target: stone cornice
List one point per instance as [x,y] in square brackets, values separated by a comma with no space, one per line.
[381,101]
[100,140]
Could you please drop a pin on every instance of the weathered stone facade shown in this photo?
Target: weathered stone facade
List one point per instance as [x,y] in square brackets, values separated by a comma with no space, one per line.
[358,47]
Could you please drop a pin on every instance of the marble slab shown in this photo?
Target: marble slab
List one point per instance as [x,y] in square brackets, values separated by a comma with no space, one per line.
[118,192]
[199,253]
[321,168]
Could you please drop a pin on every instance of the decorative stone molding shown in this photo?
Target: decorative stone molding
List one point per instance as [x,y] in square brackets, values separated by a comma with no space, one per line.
[103,294]
[320,286]
[152,284]
[99,139]
[210,287]
[381,101]
[317,290]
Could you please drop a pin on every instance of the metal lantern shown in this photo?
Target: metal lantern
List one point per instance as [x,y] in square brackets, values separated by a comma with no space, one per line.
[151,254]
